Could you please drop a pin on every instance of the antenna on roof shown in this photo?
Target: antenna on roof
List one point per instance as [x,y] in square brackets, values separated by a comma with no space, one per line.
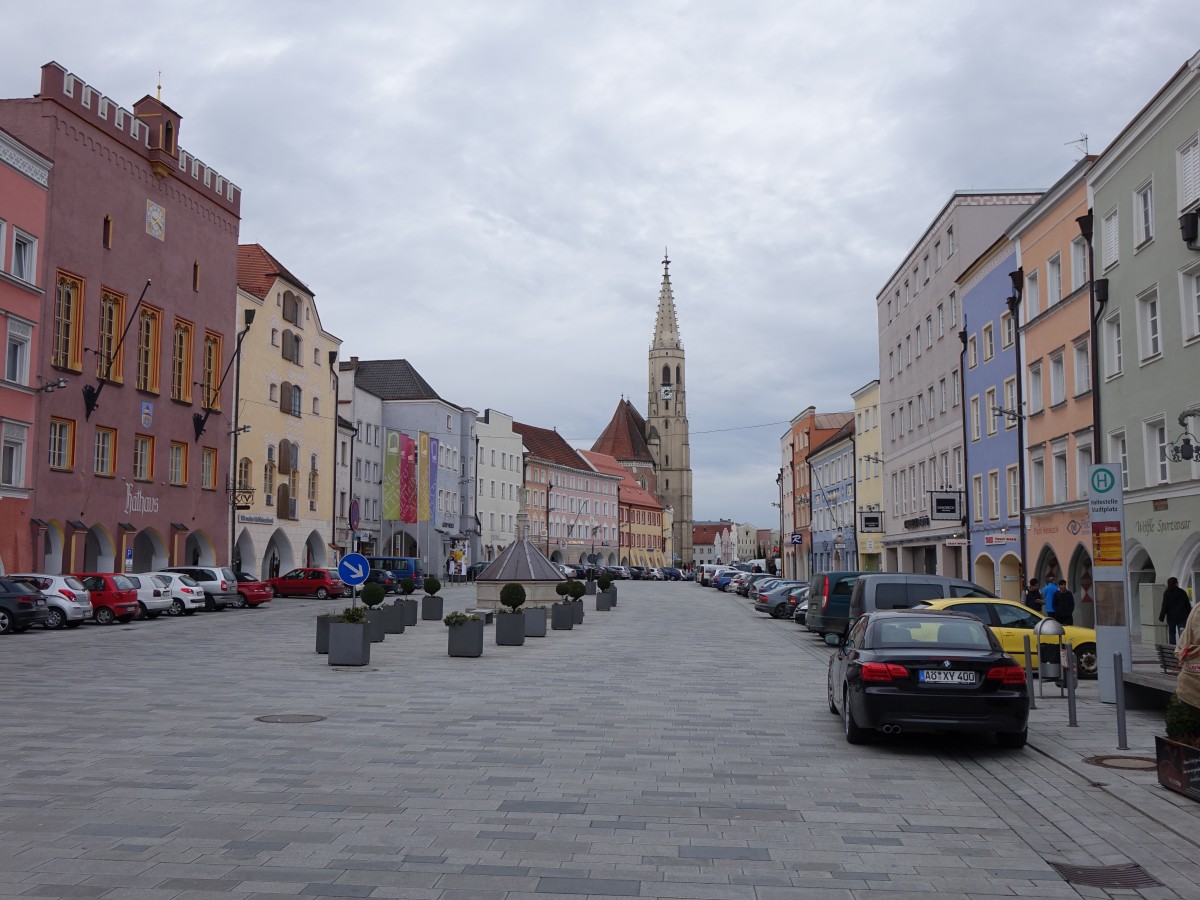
[158,96]
[1081,145]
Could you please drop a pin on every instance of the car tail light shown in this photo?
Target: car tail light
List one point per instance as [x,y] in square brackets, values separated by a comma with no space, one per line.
[1007,675]
[70,595]
[157,592]
[883,671]
[224,585]
[820,591]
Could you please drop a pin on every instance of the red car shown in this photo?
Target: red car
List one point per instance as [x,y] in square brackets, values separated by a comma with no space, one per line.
[319,583]
[251,591]
[114,598]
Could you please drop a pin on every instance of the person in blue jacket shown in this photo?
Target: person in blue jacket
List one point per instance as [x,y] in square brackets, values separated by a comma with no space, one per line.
[1048,593]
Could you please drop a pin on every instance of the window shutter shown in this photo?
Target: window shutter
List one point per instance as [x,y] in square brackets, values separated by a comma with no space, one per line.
[285,397]
[1189,173]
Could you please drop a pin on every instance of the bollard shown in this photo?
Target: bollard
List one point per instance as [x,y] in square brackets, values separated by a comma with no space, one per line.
[1072,681]
[1119,685]
[1029,672]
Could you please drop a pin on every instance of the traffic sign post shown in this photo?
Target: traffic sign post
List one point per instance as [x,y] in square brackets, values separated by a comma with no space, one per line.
[353,570]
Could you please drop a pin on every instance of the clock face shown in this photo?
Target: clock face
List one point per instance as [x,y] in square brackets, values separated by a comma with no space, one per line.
[665,392]
[156,220]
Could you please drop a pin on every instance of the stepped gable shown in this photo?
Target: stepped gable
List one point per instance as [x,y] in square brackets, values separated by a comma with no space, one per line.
[706,532]
[394,379]
[624,437]
[547,444]
[257,271]
[522,562]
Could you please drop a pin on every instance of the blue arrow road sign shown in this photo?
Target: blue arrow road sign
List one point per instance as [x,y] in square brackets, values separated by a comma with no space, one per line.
[354,568]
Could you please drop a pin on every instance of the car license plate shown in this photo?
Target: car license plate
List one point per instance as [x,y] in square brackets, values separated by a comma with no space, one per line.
[943,676]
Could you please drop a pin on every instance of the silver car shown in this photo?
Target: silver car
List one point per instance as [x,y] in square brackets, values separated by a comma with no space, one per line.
[185,592]
[68,602]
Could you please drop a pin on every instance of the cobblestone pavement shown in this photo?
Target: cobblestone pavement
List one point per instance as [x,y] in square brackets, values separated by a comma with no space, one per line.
[678,746]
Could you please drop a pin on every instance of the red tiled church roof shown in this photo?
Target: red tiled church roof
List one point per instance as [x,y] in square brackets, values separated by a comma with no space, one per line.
[629,491]
[624,438]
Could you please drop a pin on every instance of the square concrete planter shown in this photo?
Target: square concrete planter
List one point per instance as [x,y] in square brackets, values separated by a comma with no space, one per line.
[466,639]
[1178,767]
[431,608]
[589,588]
[603,602]
[411,608]
[562,617]
[377,624]
[610,596]
[577,611]
[349,644]
[510,629]
[323,632]
[535,622]
[394,618]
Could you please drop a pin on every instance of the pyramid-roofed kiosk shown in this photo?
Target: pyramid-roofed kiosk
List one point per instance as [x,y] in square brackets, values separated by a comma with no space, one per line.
[521,562]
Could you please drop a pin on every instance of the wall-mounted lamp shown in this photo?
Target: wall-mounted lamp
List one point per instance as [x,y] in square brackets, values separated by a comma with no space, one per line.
[1189,225]
[51,386]
[199,421]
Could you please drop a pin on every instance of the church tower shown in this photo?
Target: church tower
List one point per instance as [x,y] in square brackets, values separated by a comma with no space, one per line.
[666,420]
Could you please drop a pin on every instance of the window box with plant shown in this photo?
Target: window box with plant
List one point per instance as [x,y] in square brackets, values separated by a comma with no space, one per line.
[349,638]
[510,621]
[465,635]
[431,603]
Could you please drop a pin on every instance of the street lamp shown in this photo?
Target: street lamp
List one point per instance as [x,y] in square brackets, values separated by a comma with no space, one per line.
[592,556]
[240,495]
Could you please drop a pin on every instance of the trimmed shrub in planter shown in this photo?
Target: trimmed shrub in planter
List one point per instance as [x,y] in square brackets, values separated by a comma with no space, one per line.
[1179,752]
[408,604]
[562,616]
[510,622]
[431,603]
[576,590]
[465,635]
[377,617]
[349,638]
[603,602]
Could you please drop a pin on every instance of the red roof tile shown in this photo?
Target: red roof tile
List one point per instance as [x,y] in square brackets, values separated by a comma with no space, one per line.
[549,445]
[257,271]
[624,437]
[629,492]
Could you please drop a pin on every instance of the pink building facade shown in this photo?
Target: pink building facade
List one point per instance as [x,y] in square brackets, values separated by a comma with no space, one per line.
[24,181]
[1057,387]
[139,280]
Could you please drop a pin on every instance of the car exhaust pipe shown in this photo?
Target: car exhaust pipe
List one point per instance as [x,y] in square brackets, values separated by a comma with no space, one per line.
[891,729]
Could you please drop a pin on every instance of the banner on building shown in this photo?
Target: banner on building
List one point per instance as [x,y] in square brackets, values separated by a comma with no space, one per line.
[422,476]
[435,515]
[391,475]
[408,479]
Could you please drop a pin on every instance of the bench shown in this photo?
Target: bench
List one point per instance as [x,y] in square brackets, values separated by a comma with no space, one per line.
[485,614]
[1167,659]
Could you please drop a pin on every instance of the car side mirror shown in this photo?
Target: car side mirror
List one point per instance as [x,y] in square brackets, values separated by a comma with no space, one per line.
[833,640]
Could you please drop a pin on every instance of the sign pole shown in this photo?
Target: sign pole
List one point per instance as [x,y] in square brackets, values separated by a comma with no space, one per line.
[1106,512]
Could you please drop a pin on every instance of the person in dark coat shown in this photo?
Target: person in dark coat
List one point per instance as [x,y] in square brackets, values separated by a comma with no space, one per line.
[1175,609]
[1033,596]
[1064,604]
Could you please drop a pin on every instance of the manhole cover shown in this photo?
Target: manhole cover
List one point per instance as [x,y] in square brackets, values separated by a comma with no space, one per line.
[289,719]
[1127,875]
[1122,762]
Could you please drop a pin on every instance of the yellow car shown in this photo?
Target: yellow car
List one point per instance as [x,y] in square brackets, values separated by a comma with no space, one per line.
[1011,622]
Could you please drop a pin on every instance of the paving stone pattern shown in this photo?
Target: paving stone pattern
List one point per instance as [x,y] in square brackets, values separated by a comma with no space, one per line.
[678,746]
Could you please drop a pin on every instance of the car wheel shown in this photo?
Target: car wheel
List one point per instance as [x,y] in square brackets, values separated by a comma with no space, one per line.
[54,618]
[1085,656]
[779,611]
[829,691]
[141,613]
[104,616]
[322,594]
[240,602]
[1012,740]
[209,606]
[854,734]
[176,608]
[6,621]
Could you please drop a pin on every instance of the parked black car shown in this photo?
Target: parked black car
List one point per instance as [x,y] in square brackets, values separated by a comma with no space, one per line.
[20,606]
[637,573]
[390,583]
[475,568]
[926,671]
[670,573]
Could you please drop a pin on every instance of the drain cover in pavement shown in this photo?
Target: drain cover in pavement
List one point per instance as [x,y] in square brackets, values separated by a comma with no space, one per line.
[1122,762]
[1128,875]
[290,719]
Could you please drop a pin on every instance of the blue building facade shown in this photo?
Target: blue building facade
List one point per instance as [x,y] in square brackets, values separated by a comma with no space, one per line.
[831,479]
[993,418]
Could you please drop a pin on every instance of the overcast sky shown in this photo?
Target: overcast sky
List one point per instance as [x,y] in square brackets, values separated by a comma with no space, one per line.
[486,189]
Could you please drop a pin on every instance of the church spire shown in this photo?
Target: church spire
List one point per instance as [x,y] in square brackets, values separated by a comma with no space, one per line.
[666,327]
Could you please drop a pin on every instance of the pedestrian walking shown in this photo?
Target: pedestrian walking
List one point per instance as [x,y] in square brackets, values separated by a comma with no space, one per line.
[1175,609]
[1033,597]
[1187,684]
[1064,604]
[1048,595]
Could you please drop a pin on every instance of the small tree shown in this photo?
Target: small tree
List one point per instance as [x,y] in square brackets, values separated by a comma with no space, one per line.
[576,589]
[372,594]
[432,586]
[353,615]
[407,586]
[512,596]
[563,589]
[604,582]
